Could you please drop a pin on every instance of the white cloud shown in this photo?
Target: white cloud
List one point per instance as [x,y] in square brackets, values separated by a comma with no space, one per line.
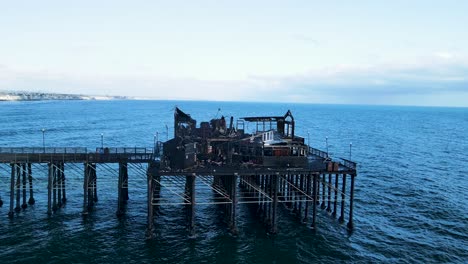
[444,55]
[389,83]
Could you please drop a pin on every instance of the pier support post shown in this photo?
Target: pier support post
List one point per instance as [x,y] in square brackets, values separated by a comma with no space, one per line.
[125,185]
[263,197]
[315,194]
[54,187]
[24,205]
[329,185]
[157,190]
[94,183]
[271,189]
[227,182]
[351,201]
[120,194]
[335,202]
[317,199]
[269,203]
[49,188]
[274,226]
[341,219]
[64,194]
[301,187]
[12,189]
[306,209]
[85,188]
[192,205]
[149,229]
[234,203]
[58,176]
[18,187]
[323,191]
[294,183]
[289,192]
[31,200]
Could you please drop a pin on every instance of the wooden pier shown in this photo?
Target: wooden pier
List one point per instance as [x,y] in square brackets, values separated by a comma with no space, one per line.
[304,191]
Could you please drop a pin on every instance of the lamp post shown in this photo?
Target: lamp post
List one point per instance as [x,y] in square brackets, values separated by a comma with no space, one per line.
[154,144]
[350,147]
[326,142]
[102,140]
[43,139]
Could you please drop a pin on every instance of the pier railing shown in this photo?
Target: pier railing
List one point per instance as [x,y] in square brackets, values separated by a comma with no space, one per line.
[349,164]
[318,152]
[75,154]
[38,150]
[322,154]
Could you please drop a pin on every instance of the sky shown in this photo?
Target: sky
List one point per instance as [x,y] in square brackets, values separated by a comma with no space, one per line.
[330,52]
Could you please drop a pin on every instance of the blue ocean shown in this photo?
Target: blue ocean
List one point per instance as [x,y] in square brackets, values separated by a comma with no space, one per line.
[411,202]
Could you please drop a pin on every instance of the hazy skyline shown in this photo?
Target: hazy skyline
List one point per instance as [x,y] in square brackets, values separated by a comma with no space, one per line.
[357,52]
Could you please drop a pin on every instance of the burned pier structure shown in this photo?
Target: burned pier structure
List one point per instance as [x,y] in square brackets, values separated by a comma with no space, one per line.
[268,169]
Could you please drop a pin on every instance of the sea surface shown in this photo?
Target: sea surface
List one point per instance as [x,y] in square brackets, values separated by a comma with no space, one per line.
[411,197]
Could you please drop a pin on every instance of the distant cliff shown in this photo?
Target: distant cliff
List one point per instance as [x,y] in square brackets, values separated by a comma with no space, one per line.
[37,96]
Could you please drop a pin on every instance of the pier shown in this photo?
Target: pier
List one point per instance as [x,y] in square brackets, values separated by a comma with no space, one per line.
[269,170]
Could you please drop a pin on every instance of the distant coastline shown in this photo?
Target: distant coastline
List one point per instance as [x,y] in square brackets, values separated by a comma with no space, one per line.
[38,96]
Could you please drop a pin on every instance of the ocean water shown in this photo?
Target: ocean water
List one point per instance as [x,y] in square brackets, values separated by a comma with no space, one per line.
[411,202]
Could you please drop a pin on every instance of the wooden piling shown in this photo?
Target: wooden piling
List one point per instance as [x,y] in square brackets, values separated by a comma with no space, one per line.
[54,187]
[301,187]
[329,192]
[24,205]
[85,189]
[289,192]
[12,190]
[125,185]
[269,191]
[323,191]
[351,201]
[49,188]
[95,195]
[295,193]
[122,171]
[31,200]
[192,205]
[59,184]
[64,194]
[335,202]
[234,204]
[18,187]
[315,194]
[274,226]
[157,190]
[264,198]
[149,229]
[341,219]
[306,209]
[317,199]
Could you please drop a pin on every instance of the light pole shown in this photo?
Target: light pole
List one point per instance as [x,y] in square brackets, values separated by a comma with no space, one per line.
[154,144]
[102,140]
[326,142]
[43,139]
[350,147]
